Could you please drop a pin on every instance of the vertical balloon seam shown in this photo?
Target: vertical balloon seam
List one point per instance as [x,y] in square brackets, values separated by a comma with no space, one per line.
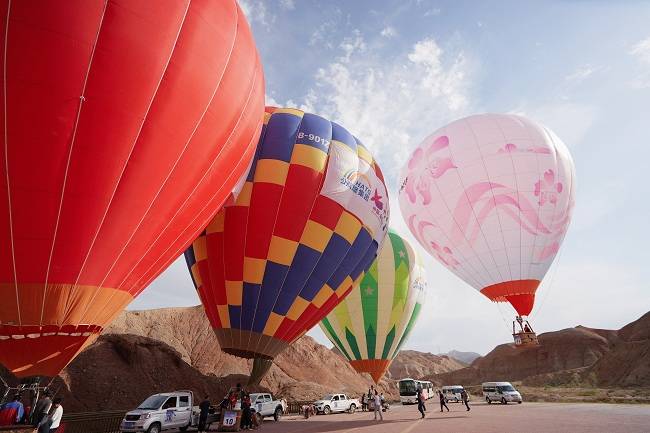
[136,283]
[363,226]
[205,174]
[314,200]
[6,150]
[126,161]
[187,142]
[65,176]
[192,223]
[273,231]
[487,175]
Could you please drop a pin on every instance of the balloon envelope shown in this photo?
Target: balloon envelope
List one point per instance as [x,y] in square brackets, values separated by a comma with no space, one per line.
[491,197]
[372,323]
[126,125]
[302,232]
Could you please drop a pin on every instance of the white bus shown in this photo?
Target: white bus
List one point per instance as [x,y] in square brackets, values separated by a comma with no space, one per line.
[408,390]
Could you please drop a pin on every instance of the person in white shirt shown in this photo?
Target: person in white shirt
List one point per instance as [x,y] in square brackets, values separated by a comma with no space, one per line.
[51,423]
[378,406]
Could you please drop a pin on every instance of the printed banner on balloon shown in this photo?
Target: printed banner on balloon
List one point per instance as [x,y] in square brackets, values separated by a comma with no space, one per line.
[353,183]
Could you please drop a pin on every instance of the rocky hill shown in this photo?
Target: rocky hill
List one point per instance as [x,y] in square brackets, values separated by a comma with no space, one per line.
[576,356]
[411,363]
[464,357]
[144,352]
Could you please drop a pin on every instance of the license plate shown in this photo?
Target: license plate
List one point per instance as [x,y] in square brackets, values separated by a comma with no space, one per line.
[129,424]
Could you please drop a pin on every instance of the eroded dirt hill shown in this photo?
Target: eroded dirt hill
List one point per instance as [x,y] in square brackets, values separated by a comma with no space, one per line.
[574,356]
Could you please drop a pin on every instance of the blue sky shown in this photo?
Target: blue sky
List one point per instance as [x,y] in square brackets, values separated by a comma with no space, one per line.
[394,71]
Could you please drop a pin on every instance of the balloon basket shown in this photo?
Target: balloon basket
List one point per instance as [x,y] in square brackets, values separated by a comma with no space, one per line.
[523,335]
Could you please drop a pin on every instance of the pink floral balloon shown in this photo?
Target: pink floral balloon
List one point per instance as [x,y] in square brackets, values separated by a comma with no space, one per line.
[491,196]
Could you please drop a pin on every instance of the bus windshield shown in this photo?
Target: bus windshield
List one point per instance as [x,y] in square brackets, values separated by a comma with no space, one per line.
[407,387]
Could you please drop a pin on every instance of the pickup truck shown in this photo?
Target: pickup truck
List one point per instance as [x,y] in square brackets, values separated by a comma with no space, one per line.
[165,411]
[265,405]
[336,403]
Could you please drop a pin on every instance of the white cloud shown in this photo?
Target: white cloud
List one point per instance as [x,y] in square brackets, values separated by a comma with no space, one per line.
[256,12]
[433,12]
[641,51]
[389,32]
[391,103]
[288,4]
[581,73]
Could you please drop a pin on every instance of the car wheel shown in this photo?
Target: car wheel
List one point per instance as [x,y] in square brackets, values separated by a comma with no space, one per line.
[503,400]
[327,410]
[519,402]
[353,408]
[277,414]
[154,428]
[488,400]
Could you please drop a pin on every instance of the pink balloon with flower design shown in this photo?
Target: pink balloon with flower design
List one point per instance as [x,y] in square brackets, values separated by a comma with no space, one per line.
[490,196]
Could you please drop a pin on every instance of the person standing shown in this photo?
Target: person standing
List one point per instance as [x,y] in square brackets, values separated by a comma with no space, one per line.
[443,403]
[377,402]
[421,406]
[41,408]
[465,397]
[204,408]
[12,412]
[363,402]
[55,415]
[246,419]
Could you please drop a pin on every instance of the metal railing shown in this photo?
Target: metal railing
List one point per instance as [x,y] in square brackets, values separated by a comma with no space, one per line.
[93,422]
[295,407]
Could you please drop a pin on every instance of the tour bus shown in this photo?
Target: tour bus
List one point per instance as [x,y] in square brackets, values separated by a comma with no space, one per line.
[408,390]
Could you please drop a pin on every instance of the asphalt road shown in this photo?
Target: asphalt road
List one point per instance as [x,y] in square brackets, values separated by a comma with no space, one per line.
[483,418]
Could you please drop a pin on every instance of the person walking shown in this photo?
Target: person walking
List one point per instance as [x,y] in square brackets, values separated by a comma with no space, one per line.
[377,403]
[204,408]
[421,406]
[363,402]
[442,401]
[41,408]
[465,397]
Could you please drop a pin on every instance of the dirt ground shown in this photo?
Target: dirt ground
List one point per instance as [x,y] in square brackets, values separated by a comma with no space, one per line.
[483,418]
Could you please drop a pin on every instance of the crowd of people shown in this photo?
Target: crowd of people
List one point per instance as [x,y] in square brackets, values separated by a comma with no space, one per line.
[45,416]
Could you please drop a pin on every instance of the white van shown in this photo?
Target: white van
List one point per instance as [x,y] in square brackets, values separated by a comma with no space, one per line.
[502,392]
[452,393]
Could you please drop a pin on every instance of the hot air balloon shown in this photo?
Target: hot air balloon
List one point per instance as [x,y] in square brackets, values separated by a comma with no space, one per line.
[126,125]
[490,197]
[302,232]
[372,323]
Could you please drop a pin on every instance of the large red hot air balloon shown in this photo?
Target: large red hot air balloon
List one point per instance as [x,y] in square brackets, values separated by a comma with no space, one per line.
[125,125]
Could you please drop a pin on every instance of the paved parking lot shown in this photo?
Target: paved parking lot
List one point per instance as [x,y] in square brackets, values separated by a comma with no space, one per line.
[483,418]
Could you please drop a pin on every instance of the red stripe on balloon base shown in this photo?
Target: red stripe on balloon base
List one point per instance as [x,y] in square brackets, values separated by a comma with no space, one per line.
[519,293]
[43,350]
[374,367]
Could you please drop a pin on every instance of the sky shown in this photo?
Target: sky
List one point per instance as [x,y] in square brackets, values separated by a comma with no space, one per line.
[392,72]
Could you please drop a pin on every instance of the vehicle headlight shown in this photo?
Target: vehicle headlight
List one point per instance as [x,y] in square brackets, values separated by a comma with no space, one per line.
[146,416]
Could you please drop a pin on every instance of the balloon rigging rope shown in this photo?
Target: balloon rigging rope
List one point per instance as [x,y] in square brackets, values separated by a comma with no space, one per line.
[549,286]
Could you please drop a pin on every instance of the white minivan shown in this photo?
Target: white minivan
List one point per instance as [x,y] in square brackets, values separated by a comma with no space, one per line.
[452,393]
[502,392]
